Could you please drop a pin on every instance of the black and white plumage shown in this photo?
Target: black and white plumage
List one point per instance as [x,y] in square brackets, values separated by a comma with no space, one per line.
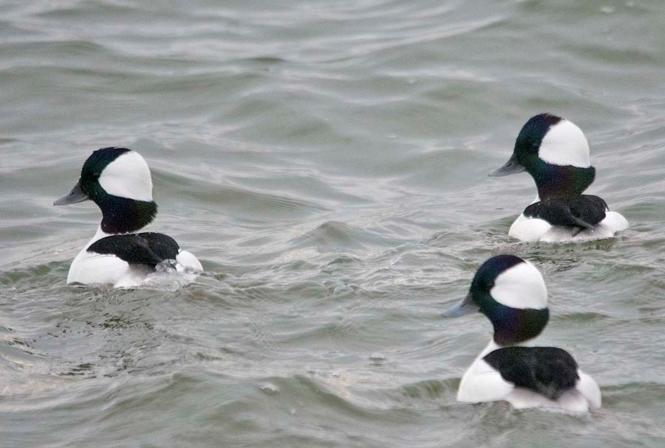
[555,152]
[146,248]
[583,211]
[511,293]
[118,180]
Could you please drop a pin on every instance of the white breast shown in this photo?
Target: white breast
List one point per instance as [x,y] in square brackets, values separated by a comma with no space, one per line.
[481,383]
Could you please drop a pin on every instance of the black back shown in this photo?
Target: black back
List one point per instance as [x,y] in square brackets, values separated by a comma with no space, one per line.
[583,211]
[550,371]
[146,248]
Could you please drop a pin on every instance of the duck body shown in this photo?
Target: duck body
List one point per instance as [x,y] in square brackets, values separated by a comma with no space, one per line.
[511,293]
[533,228]
[529,377]
[118,180]
[129,260]
[555,152]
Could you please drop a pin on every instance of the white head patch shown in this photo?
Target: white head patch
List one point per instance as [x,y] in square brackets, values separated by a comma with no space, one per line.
[521,286]
[128,176]
[565,144]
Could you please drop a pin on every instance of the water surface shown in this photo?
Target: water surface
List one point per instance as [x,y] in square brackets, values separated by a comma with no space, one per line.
[327,163]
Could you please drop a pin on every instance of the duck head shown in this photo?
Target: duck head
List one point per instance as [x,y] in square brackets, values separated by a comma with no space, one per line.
[118,180]
[511,293]
[555,152]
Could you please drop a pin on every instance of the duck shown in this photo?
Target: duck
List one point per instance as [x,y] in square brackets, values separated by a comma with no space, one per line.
[511,293]
[555,152]
[119,182]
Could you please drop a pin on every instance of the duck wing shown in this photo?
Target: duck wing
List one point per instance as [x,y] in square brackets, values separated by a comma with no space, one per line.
[550,371]
[148,248]
[584,211]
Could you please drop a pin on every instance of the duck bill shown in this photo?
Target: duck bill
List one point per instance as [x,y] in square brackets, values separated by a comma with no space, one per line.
[464,307]
[512,166]
[74,196]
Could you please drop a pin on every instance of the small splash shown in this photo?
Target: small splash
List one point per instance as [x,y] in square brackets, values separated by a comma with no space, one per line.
[377,358]
[169,277]
[167,266]
[269,388]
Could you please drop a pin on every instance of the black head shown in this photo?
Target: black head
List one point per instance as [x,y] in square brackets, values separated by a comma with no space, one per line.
[555,153]
[531,136]
[93,168]
[511,293]
[117,180]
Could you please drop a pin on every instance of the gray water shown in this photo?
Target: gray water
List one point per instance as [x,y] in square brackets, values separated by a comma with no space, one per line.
[326,161]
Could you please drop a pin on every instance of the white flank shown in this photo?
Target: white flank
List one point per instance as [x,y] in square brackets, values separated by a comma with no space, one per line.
[614,221]
[528,229]
[588,387]
[571,401]
[188,261]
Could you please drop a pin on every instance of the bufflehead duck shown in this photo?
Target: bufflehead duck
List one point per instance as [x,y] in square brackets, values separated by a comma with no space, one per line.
[555,152]
[118,180]
[511,293]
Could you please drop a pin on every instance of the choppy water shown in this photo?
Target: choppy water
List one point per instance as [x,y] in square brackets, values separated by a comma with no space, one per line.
[326,160]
